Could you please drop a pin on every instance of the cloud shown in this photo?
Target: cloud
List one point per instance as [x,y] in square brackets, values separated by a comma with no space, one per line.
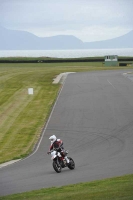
[88,20]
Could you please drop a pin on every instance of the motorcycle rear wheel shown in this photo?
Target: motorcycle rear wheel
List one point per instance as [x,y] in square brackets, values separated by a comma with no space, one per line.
[71,165]
[56,167]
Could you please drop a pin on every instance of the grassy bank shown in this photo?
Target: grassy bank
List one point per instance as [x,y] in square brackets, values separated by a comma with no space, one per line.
[23,116]
[109,189]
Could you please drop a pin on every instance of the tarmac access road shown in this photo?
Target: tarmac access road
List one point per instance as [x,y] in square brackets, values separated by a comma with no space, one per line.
[93,115]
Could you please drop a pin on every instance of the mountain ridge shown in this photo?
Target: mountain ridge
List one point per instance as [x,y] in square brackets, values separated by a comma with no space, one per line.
[23,40]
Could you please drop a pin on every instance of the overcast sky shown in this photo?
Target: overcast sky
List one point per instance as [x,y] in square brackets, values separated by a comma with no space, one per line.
[89,20]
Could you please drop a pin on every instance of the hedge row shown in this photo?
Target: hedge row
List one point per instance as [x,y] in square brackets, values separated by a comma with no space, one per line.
[58,60]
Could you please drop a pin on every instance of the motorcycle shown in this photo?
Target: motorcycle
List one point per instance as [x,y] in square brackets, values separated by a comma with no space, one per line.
[59,162]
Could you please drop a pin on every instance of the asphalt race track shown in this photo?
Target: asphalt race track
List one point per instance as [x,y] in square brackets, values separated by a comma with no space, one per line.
[94,117]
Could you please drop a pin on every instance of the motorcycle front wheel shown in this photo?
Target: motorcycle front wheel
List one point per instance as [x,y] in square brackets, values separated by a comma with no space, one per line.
[71,165]
[56,167]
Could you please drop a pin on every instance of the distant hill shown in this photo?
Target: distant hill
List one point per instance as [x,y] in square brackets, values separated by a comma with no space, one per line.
[23,40]
[124,41]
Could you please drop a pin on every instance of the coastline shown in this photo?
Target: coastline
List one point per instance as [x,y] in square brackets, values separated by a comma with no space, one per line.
[77,53]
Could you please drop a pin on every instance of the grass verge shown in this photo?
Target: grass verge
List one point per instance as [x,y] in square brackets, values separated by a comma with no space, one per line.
[119,188]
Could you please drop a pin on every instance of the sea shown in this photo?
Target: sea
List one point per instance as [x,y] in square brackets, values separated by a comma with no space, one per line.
[77,53]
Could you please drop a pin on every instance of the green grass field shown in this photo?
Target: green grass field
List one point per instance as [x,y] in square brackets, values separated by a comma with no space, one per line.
[119,188]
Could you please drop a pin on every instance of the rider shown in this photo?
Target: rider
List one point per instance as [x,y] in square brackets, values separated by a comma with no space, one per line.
[58,145]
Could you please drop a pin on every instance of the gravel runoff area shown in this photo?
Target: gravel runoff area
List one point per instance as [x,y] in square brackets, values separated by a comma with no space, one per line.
[61,77]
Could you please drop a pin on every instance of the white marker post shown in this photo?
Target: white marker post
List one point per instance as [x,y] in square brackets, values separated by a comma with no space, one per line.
[30,90]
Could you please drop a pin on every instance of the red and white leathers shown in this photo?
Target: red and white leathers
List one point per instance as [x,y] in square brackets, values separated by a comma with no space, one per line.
[58,145]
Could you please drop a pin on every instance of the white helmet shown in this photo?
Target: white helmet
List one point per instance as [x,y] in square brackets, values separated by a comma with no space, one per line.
[53,138]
